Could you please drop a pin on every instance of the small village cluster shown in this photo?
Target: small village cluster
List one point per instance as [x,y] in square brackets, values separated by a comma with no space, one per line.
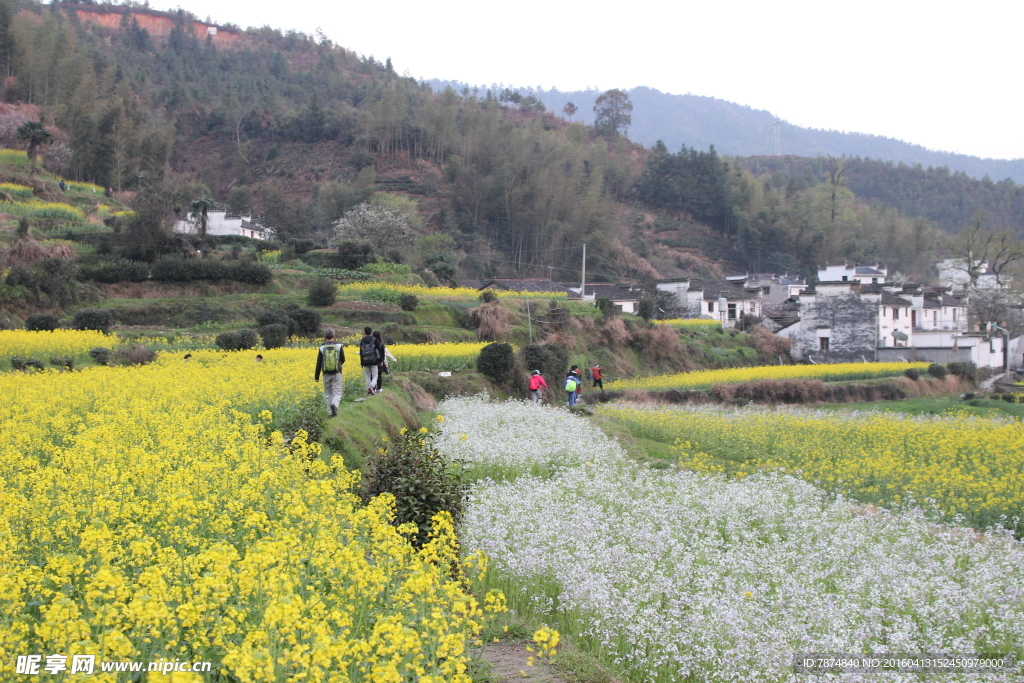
[852,313]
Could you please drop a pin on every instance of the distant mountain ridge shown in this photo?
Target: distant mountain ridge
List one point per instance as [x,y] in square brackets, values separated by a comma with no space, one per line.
[738,130]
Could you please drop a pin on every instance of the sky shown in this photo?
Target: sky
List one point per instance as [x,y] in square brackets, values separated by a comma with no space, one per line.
[940,74]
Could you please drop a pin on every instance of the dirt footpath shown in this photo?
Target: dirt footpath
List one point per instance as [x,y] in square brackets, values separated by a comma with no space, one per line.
[508,660]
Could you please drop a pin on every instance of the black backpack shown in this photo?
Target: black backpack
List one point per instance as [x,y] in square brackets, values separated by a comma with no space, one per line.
[368,352]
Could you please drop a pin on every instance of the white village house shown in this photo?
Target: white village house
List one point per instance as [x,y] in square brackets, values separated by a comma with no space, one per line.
[852,314]
[220,222]
[857,319]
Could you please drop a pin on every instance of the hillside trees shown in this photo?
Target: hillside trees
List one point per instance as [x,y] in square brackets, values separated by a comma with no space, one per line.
[612,112]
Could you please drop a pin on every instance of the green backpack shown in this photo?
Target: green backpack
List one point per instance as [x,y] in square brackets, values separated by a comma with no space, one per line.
[331,353]
[570,384]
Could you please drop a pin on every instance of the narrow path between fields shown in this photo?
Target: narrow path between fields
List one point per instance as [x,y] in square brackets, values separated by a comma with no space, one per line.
[508,664]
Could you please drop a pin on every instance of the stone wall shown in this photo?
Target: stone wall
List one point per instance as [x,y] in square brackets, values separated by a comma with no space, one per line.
[852,336]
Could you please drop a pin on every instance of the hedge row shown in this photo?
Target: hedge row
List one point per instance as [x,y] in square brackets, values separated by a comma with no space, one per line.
[176,270]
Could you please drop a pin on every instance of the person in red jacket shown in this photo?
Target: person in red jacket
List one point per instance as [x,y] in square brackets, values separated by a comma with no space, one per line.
[537,387]
[595,376]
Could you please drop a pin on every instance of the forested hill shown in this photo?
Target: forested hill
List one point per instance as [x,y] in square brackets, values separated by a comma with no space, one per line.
[952,200]
[737,130]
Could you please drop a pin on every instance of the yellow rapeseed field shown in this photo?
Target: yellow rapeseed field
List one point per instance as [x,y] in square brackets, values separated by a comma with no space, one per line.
[703,379]
[150,513]
[45,345]
[358,289]
[968,466]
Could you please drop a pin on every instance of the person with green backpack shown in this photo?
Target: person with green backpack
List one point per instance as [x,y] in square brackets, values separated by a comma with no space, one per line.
[573,383]
[329,359]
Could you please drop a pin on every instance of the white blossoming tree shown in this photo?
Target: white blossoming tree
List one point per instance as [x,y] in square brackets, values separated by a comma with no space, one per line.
[381,226]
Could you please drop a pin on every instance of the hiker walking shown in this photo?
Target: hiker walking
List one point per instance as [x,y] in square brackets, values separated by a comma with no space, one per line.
[537,387]
[595,377]
[329,359]
[573,383]
[369,358]
[384,354]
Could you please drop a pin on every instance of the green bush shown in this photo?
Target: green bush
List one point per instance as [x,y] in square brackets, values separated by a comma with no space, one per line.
[272,317]
[966,369]
[239,340]
[307,321]
[300,246]
[488,296]
[497,361]
[912,373]
[409,302]
[99,319]
[133,355]
[322,292]
[250,273]
[646,308]
[607,307]
[100,355]
[66,362]
[550,359]
[24,364]
[274,336]
[937,371]
[42,322]
[115,270]
[420,478]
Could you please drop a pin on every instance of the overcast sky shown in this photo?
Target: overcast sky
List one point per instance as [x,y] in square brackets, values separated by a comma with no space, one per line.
[940,74]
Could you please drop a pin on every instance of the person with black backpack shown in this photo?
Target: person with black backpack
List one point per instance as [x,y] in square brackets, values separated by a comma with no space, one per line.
[329,359]
[369,358]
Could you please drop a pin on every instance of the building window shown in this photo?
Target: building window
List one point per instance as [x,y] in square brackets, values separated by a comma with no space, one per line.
[732,311]
[874,280]
[895,314]
[954,315]
[823,343]
[766,290]
[935,317]
[711,307]
[845,279]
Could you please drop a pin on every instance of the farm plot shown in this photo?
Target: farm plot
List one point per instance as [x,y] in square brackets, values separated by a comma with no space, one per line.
[154,513]
[969,468]
[680,576]
[705,379]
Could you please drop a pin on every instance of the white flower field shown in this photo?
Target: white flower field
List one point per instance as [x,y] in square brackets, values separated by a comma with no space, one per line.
[678,576]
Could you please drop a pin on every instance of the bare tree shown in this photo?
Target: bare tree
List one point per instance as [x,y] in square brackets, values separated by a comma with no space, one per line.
[978,250]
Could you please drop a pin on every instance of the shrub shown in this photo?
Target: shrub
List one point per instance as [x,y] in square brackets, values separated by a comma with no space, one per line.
[307,321]
[271,317]
[133,355]
[116,270]
[937,371]
[353,255]
[93,319]
[42,322]
[646,308]
[322,292]
[550,359]
[421,479]
[497,361]
[966,369]
[23,364]
[250,273]
[409,302]
[274,336]
[239,340]
[912,373]
[100,355]
[300,246]
[66,362]
[1008,397]
[488,296]
[607,307]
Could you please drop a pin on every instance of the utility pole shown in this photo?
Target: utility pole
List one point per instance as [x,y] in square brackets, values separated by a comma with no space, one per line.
[583,278]
[529,323]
